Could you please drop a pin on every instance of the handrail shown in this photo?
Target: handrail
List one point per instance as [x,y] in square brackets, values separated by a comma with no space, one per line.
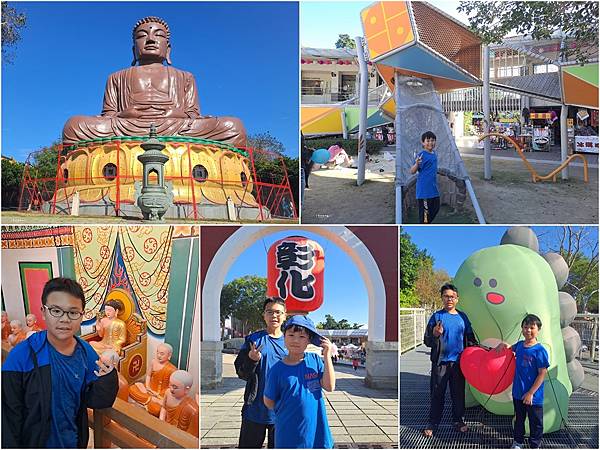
[534,175]
[133,427]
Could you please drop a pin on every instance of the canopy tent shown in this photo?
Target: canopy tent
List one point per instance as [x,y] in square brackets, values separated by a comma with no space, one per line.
[580,85]
[321,120]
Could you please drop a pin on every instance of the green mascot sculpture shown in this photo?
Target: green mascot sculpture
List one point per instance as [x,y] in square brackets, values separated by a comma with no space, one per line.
[499,286]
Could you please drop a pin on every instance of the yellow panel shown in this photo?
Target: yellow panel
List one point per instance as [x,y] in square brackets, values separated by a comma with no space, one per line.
[389,107]
[330,124]
[310,114]
[387,26]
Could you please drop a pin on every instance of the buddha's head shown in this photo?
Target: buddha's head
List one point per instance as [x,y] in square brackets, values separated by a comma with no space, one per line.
[180,383]
[112,308]
[16,326]
[151,41]
[30,320]
[4,317]
[164,352]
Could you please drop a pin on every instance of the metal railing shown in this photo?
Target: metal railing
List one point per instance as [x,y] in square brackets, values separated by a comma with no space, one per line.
[412,327]
[587,327]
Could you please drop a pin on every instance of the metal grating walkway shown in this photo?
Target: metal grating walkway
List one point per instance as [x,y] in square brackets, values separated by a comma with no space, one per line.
[486,430]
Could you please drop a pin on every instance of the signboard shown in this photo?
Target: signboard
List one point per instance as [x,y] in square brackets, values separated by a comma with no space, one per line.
[542,116]
[586,144]
[295,273]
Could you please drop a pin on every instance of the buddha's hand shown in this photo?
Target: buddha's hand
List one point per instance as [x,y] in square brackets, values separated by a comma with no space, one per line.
[106,363]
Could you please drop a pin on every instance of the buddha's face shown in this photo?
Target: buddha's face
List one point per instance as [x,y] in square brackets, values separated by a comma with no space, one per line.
[110,312]
[163,354]
[151,43]
[178,388]
[31,320]
[4,317]
[15,329]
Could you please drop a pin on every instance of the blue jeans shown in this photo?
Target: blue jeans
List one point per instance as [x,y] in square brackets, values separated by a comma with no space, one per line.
[536,423]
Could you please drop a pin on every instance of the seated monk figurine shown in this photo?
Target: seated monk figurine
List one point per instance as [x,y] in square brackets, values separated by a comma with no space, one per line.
[17,334]
[178,409]
[151,393]
[32,326]
[154,93]
[5,326]
[111,329]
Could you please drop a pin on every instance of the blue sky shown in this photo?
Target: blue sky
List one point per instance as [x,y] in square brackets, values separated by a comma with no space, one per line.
[344,291]
[244,56]
[322,22]
[450,246]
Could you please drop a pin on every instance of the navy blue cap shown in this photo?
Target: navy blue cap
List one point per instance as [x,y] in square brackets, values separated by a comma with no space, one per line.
[303,321]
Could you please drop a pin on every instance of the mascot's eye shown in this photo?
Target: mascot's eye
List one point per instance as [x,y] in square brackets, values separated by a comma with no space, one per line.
[477,282]
[493,283]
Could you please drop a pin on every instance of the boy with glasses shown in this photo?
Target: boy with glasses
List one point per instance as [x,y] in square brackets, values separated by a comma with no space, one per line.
[260,352]
[50,379]
[448,333]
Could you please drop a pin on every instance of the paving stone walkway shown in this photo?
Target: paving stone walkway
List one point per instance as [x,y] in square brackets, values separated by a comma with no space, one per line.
[359,417]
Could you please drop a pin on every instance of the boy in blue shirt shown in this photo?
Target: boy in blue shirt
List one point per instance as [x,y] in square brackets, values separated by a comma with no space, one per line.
[52,378]
[294,388]
[531,365]
[448,333]
[261,350]
[428,196]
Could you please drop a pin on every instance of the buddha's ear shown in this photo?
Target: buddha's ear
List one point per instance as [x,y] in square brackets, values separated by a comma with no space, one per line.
[134,62]
[169,55]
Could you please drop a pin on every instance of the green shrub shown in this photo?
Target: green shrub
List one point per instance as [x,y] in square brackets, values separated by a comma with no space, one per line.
[350,145]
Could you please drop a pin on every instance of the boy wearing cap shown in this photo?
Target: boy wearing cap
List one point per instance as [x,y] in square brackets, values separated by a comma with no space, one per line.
[294,388]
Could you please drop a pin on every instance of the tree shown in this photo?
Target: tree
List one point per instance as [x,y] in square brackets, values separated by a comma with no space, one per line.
[410,262]
[243,299]
[266,141]
[332,324]
[12,175]
[428,282]
[579,248]
[12,23]
[493,20]
[345,41]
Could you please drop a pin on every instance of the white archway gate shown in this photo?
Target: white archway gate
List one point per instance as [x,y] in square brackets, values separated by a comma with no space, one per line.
[382,360]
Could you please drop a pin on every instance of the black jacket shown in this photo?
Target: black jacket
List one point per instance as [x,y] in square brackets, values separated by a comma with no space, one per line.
[27,394]
[246,370]
[436,344]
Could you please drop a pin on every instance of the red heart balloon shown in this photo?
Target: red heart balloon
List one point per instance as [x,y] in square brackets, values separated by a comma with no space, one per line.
[486,370]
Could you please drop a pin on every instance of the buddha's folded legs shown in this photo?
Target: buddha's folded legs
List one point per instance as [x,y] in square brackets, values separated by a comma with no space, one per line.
[229,130]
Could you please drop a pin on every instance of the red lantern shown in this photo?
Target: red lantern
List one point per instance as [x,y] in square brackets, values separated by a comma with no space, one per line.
[295,272]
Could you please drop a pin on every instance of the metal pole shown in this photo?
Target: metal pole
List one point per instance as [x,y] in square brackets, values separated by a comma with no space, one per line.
[474,201]
[399,175]
[487,151]
[363,105]
[344,124]
[564,141]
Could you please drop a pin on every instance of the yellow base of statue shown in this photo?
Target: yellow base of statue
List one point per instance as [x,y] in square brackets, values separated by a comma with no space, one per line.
[200,171]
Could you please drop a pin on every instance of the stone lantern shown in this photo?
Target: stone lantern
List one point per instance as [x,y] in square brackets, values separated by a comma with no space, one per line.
[155,198]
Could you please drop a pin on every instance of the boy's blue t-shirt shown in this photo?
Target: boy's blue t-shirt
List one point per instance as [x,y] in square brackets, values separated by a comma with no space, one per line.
[453,338]
[300,415]
[271,353]
[528,361]
[427,176]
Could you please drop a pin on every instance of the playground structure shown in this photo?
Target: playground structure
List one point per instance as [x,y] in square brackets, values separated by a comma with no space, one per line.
[208,180]
[420,51]
[535,177]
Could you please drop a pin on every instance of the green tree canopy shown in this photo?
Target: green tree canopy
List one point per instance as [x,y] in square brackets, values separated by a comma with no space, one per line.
[577,20]
[412,259]
[12,23]
[243,299]
[12,174]
[332,324]
[345,41]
